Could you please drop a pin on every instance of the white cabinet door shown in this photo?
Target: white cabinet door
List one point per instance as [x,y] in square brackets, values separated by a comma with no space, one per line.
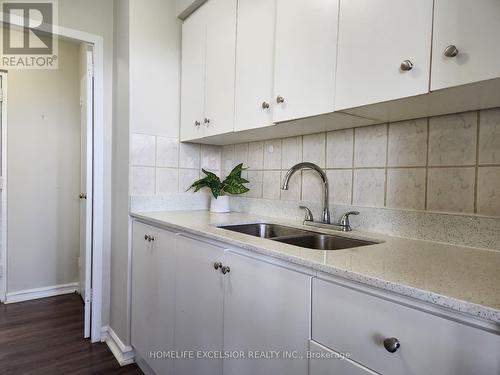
[193,75]
[266,308]
[473,27]
[220,66]
[198,305]
[375,37]
[254,64]
[305,57]
[327,362]
[152,294]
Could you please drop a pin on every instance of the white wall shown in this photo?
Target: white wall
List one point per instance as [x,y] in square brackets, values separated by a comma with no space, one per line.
[44,174]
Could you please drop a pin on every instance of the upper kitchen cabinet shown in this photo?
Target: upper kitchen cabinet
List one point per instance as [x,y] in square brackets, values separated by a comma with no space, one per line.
[305,58]
[384,51]
[255,64]
[465,42]
[208,64]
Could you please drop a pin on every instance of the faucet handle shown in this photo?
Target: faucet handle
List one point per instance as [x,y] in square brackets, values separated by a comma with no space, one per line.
[344,221]
[309,214]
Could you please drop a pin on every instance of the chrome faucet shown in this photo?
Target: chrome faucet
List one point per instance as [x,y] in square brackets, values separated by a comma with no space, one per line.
[325,217]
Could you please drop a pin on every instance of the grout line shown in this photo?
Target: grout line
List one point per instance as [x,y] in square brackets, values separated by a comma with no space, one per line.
[353,156]
[386,164]
[426,189]
[476,176]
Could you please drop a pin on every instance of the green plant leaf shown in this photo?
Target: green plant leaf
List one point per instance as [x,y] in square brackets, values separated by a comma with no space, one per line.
[233,183]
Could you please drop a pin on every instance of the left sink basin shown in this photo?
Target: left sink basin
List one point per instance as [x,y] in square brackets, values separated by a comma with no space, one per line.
[264,230]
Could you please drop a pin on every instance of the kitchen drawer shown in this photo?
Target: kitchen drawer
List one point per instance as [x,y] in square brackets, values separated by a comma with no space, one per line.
[351,321]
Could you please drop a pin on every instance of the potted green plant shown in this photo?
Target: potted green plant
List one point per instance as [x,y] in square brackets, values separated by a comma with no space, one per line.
[232,184]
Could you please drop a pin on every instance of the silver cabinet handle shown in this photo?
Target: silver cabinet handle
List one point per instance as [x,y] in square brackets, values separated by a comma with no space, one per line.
[451,51]
[280,100]
[149,238]
[217,265]
[146,237]
[265,105]
[207,121]
[225,269]
[406,66]
[392,344]
[197,123]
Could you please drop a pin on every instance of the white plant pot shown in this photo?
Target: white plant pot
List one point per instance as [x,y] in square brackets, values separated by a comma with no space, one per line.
[220,204]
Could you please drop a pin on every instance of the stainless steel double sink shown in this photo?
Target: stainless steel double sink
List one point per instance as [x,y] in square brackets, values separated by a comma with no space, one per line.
[297,237]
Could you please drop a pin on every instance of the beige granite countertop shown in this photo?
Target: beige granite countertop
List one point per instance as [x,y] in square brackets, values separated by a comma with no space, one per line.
[459,278]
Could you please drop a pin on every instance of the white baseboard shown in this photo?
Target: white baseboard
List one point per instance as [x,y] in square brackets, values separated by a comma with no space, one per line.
[48,291]
[124,354]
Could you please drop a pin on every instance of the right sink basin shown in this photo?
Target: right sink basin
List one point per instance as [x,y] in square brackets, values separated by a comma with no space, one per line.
[318,241]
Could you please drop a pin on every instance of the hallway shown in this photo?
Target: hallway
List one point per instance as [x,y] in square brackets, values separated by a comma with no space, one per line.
[45,337]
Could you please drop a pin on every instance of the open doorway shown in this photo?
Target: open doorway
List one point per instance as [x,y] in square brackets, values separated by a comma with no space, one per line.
[47,175]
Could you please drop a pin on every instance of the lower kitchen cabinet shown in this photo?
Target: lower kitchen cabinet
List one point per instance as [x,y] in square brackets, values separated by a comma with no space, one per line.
[266,309]
[199,292]
[152,326]
[324,361]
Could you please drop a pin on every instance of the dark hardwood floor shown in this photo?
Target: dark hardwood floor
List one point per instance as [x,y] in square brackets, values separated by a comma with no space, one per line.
[45,336]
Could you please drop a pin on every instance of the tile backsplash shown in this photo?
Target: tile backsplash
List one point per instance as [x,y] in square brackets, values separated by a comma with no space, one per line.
[447,164]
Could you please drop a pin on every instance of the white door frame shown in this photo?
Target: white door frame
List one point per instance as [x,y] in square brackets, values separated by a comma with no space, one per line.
[3,244]
[98,177]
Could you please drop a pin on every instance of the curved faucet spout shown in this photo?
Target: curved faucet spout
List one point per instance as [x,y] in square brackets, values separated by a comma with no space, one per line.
[324,179]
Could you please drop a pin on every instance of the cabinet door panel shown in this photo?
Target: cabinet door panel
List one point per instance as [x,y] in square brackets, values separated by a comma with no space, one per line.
[474,28]
[333,364]
[193,75]
[198,305]
[153,294]
[305,57]
[254,63]
[375,37]
[266,308]
[220,66]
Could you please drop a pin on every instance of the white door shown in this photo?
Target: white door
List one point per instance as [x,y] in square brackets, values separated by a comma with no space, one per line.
[3,190]
[152,327]
[198,305]
[473,27]
[220,67]
[305,57]
[193,75]
[375,38]
[254,64]
[266,308]
[87,116]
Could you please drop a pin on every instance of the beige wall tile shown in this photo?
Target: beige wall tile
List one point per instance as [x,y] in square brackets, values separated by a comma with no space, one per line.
[294,187]
[227,159]
[452,139]
[271,184]
[292,152]
[370,146]
[312,187]
[255,185]
[189,156]
[241,154]
[167,181]
[167,152]
[272,154]
[340,182]
[314,149]
[256,155]
[406,188]
[489,137]
[369,187]
[451,189]
[143,150]
[488,191]
[211,157]
[339,148]
[142,181]
[187,177]
[408,143]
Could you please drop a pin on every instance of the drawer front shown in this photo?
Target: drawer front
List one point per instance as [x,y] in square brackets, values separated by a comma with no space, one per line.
[324,361]
[350,321]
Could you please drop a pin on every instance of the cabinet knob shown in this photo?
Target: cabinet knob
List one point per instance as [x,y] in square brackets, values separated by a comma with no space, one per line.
[225,269]
[392,344]
[197,123]
[207,121]
[217,265]
[265,105]
[451,51]
[280,100]
[406,66]
[146,237]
